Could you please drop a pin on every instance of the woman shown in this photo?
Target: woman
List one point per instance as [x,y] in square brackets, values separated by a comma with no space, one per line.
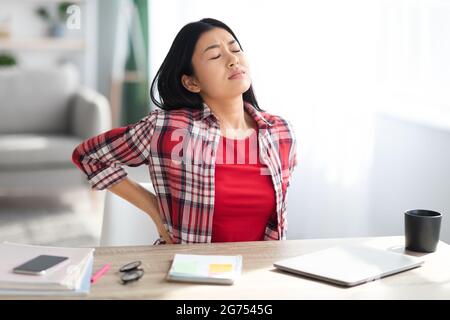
[220,166]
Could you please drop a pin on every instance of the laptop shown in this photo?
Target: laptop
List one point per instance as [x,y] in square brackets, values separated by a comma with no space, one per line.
[349,265]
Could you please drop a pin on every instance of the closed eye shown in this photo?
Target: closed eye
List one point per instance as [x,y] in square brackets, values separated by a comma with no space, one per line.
[219,55]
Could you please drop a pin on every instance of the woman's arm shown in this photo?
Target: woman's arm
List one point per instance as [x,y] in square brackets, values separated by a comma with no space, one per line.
[101,159]
[140,197]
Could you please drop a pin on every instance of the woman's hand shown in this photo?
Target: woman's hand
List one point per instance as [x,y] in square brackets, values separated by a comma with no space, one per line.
[164,237]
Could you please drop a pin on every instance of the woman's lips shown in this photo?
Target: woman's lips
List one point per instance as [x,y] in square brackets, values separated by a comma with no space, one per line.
[237,76]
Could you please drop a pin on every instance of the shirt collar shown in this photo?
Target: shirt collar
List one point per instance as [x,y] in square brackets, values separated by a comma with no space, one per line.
[259,118]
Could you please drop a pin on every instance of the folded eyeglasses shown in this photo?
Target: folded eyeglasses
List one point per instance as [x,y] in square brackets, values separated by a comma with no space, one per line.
[131,272]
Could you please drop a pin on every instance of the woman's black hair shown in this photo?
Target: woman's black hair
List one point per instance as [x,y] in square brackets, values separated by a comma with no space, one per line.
[172,93]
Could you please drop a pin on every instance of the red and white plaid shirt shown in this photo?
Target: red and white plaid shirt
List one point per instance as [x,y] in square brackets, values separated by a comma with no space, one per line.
[184,181]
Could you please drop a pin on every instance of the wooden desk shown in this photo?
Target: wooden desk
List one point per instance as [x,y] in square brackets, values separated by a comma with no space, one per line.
[260,280]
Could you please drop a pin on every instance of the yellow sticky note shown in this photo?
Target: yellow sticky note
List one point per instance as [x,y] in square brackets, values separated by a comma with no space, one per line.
[220,268]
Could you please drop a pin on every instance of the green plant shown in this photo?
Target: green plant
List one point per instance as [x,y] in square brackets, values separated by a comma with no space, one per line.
[62,10]
[7,60]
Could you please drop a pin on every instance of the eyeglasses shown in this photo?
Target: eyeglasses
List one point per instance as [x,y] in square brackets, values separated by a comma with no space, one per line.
[131,272]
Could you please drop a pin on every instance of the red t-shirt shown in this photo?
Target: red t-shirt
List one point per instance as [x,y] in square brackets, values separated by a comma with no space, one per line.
[244,198]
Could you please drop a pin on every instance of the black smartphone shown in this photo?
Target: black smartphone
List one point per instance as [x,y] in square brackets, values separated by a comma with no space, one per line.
[39,265]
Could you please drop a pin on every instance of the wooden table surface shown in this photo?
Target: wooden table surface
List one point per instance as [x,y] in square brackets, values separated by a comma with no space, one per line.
[260,280]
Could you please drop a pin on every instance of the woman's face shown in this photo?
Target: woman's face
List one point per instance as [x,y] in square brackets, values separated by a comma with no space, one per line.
[217,56]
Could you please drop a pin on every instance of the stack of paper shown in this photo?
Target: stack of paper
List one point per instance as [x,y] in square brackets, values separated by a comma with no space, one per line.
[205,268]
[71,276]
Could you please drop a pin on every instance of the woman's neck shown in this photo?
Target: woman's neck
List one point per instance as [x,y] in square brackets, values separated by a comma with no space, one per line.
[233,120]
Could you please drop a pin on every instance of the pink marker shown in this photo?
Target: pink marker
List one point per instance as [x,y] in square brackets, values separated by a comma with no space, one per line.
[100,272]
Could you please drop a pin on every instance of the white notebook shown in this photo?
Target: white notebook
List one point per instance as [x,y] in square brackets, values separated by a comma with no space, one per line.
[65,276]
[349,265]
[205,268]
[83,288]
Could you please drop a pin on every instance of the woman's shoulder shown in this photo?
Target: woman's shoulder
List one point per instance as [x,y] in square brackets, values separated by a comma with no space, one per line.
[280,127]
[182,117]
[168,117]
[277,122]
[176,114]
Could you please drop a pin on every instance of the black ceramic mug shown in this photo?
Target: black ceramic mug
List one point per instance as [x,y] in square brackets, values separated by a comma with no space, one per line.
[422,228]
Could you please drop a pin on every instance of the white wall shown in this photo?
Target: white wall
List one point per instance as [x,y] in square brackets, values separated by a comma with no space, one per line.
[410,171]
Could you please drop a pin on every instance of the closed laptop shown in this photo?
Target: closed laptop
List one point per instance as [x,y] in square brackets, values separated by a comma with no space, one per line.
[349,265]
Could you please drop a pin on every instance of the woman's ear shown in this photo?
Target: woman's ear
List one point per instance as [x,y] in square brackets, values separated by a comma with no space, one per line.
[190,83]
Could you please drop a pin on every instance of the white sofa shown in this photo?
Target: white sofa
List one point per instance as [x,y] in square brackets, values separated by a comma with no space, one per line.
[44,114]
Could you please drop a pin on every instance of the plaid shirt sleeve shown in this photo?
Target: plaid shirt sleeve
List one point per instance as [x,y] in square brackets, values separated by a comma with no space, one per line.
[101,157]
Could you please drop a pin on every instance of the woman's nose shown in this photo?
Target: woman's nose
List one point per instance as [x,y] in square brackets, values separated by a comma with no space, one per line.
[233,60]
